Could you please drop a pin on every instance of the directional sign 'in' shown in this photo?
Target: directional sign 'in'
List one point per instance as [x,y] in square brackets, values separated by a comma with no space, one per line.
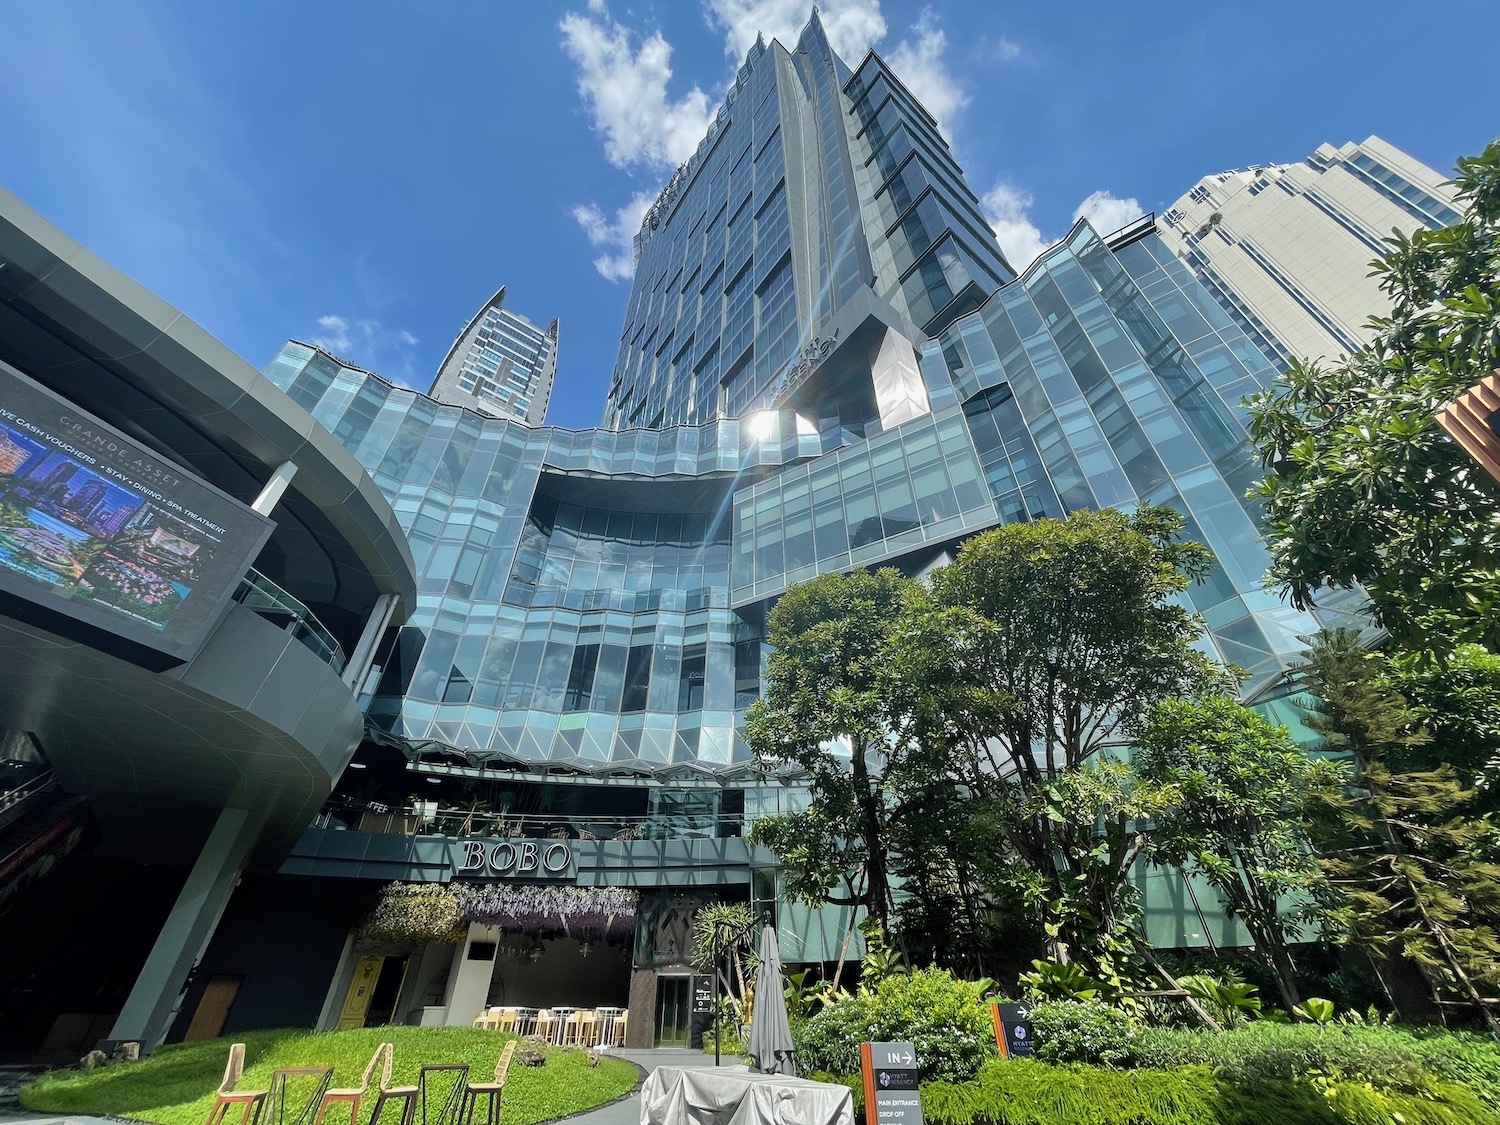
[891,1072]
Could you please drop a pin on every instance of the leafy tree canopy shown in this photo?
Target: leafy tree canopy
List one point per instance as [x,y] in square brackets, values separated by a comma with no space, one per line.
[1365,486]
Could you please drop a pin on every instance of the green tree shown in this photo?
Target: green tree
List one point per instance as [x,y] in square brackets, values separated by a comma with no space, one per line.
[1457,702]
[1409,868]
[1040,647]
[724,942]
[1365,487]
[824,713]
[1240,791]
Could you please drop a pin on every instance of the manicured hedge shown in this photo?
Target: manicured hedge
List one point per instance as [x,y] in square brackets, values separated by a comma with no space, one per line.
[1024,1092]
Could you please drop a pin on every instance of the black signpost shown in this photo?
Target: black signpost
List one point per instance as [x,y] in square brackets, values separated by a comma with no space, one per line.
[1013,1034]
[702,1011]
[890,1073]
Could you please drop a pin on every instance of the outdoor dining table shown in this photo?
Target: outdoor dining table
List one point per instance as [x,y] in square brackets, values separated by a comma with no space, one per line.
[448,1114]
[276,1094]
[607,1018]
[560,1024]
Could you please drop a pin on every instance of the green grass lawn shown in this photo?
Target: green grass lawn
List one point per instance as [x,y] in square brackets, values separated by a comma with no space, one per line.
[175,1085]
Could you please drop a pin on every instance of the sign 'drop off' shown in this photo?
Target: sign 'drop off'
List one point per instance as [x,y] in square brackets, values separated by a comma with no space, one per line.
[890,1073]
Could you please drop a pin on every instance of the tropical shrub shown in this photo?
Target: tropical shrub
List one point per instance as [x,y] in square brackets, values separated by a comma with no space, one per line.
[1059,980]
[1082,1031]
[1266,1052]
[1026,1092]
[942,1016]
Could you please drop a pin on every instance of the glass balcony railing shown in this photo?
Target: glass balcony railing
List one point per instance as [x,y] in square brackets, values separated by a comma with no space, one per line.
[428,818]
[259,593]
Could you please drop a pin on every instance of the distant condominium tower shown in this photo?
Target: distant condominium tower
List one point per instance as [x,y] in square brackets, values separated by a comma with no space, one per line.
[501,365]
[1285,248]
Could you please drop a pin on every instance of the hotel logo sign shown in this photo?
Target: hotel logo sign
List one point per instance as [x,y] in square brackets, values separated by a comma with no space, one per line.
[518,859]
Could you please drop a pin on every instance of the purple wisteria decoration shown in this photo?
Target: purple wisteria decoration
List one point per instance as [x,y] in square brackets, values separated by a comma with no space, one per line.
[580,912]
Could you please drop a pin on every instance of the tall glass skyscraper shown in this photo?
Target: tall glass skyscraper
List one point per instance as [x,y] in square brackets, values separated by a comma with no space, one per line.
[826,363]
[501,365]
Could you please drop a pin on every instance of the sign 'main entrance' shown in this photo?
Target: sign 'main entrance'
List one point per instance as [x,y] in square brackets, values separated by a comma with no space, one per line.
[890,1073]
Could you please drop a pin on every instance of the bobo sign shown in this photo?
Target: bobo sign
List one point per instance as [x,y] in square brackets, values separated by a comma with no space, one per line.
[522,858]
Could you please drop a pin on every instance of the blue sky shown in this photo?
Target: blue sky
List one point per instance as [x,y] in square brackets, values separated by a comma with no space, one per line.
[367,173]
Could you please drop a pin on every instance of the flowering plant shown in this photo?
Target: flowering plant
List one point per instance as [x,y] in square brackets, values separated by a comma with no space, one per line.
[607,912]
[415,913]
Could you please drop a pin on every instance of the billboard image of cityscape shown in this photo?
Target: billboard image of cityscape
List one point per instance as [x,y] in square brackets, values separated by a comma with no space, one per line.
[128,541]
[92,538]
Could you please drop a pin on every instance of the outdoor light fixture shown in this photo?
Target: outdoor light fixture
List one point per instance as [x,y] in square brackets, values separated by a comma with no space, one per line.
[583,948]
[356,765]
[536,950]
[434,781]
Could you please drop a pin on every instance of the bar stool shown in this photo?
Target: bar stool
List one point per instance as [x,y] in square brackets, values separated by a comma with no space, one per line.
[546,1023]
[506,1020]
[389,1093]
[352,1094]
[619,1029]
[577,1028]
[227,1095]
[473,1091]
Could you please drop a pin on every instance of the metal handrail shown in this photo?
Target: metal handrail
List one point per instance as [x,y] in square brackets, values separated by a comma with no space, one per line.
[423,819]
[259,594]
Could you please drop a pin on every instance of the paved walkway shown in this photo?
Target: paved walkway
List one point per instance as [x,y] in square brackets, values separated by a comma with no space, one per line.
[626,1111]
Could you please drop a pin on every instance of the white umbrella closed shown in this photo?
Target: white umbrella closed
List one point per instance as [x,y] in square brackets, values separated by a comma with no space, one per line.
[770,1030]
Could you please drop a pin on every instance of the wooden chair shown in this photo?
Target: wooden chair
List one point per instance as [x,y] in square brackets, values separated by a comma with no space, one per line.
[506,1021]
[546,1023]
[248,1100]
[389,1093]
[353,1094]
[619,1029]
[473,1091]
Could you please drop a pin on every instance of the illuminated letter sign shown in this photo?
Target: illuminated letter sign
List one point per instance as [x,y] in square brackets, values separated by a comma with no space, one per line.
[519,859]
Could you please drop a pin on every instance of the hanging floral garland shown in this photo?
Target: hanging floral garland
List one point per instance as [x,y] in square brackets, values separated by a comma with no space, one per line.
[415,913]
[587,913]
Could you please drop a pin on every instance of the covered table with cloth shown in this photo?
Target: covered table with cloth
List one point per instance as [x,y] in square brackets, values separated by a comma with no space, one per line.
[737,1095]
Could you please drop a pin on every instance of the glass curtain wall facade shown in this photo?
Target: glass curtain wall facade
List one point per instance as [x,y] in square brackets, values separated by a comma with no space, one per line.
[814,189]
[592,598]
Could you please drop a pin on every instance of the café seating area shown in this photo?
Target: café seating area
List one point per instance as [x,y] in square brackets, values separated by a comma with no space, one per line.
[560,1026]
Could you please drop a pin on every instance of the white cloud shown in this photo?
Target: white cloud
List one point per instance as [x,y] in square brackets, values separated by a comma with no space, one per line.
[614,236]
[1008,210]
[368,343]
[918,62]
[1107,213]
[625,89]
[1000,50]
[852,26]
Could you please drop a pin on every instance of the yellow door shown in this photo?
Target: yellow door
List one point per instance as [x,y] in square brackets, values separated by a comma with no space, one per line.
[357,1002]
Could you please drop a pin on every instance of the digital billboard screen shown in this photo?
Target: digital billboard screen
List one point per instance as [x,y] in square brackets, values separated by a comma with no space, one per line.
[96,527]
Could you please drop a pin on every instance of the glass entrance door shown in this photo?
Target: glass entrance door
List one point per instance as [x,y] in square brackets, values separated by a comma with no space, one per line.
[673,1007]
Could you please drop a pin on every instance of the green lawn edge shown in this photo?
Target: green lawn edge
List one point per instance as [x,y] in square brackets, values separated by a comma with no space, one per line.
[175,1084]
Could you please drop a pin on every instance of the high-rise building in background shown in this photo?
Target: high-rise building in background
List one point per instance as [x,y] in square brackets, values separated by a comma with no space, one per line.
[1286,248]
[501,365]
